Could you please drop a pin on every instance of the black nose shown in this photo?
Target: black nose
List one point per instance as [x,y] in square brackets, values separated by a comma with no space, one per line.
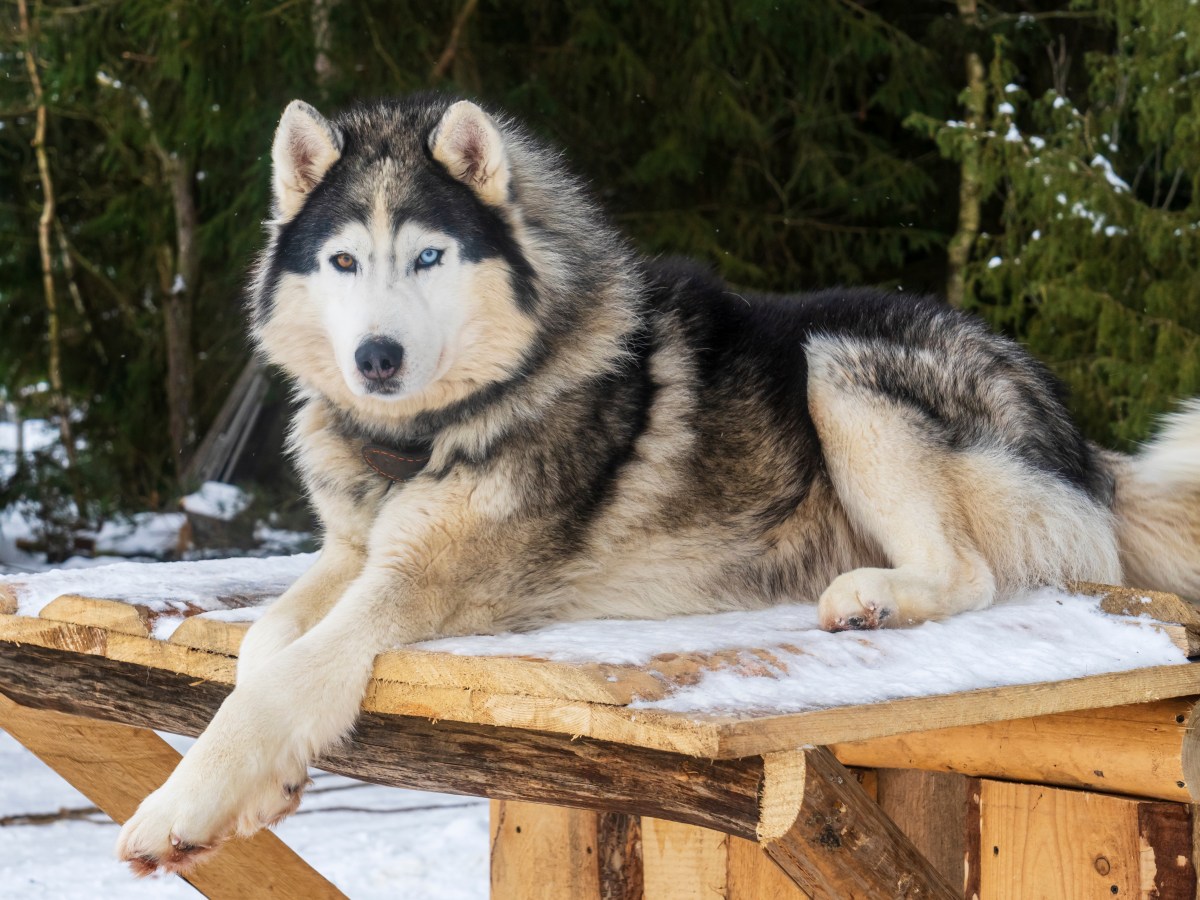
[378,358]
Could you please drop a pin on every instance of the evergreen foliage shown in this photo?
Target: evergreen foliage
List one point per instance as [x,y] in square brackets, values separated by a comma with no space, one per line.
[792,145]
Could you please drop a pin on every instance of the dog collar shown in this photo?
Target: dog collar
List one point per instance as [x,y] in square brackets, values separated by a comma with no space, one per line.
[398,464]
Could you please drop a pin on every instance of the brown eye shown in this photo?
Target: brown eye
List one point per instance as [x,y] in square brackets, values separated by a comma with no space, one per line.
[345,262]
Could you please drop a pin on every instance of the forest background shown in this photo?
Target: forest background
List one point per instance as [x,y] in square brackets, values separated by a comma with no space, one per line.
[1035,163]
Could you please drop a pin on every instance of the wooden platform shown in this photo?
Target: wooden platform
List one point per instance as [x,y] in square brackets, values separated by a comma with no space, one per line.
[530,730]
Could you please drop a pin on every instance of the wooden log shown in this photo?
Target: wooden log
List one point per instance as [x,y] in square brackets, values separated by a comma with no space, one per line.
[1139,750]
[823,830]
[116,766]
[411,752]
[1048,842]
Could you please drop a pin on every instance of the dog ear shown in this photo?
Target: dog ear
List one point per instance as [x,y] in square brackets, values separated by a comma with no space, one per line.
[467,142]
[306,145]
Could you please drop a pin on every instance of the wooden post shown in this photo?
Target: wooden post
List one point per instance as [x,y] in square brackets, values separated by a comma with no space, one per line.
[551,851]
[832,839]
[116,766]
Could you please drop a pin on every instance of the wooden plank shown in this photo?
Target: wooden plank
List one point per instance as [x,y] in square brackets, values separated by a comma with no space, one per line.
[833,840]
[682,862]
[543,851]
[935,811]
[1055,843]
[116,766]
[1124,601]
[211,635]
[752,875]
[857,723]
[713,737]
[111,615]
[413,752]
[1137,749]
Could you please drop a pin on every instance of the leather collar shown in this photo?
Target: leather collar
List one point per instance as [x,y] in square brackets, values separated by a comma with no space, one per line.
[398,464]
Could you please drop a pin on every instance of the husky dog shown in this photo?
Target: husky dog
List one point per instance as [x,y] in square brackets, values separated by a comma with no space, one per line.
[604,435]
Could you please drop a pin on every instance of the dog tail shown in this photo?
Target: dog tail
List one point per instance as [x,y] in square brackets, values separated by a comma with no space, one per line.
[1157,506]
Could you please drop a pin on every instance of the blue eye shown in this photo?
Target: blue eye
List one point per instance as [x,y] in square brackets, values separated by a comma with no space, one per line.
[428,258]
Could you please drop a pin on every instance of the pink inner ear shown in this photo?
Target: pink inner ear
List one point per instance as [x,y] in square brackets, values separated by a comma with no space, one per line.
[471,144]
[303,155]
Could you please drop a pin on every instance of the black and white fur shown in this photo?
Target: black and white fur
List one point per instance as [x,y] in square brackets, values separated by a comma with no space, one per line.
[616,436]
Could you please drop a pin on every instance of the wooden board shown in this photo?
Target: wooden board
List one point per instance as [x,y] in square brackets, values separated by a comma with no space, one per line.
[1041,842]
[116,766]
[602,683]
[711,737]
[543,851]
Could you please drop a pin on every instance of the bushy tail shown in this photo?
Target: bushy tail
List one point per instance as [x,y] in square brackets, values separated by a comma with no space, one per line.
[1158,507]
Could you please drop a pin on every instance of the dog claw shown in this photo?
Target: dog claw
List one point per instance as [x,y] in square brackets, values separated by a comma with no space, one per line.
[856,622]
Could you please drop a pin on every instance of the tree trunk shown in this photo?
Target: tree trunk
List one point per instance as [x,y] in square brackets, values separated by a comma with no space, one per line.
[970,191]
[177,310]
[45,221]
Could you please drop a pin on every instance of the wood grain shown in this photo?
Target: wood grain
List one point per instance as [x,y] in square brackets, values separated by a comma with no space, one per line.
[116,766]
[934,810]
[111,615]
[1041,842]
[619,855]
[445,756]
[752,875]
[693,734]
[832,840]
[1136,749]
[541,851]
[681,862]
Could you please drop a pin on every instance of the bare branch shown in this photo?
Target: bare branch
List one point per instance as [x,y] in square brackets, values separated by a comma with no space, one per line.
[447,57]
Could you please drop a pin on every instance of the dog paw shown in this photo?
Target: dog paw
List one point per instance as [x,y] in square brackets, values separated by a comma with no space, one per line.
[179,825]
[859,600]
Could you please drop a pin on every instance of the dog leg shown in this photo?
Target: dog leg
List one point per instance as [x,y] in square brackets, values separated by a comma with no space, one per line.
[898,487]
[303,604]
[247,769]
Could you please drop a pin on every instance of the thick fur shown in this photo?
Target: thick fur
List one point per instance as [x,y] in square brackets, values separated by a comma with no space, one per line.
[616,436]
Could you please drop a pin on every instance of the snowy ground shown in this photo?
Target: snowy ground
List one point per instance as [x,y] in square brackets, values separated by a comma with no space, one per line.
[368,840]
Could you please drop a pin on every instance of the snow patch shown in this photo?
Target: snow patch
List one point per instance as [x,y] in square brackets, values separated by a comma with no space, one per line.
[217,501]
[163,587]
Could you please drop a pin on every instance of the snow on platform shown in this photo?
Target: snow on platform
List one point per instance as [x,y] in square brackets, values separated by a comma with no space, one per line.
[768,661]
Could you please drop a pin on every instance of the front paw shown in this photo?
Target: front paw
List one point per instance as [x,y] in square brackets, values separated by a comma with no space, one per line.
[188,818]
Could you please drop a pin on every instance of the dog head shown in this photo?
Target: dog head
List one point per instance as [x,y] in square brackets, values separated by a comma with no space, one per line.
[396,278]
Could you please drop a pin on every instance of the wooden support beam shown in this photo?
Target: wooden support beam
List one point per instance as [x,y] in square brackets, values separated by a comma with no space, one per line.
[404,751]
[833,840]
[1140,750]
[116,766]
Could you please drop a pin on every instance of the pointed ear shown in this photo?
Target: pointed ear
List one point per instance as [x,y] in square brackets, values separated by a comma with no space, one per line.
[306,145]
[467,142]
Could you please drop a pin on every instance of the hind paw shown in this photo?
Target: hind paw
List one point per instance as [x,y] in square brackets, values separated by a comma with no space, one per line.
[859,600]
